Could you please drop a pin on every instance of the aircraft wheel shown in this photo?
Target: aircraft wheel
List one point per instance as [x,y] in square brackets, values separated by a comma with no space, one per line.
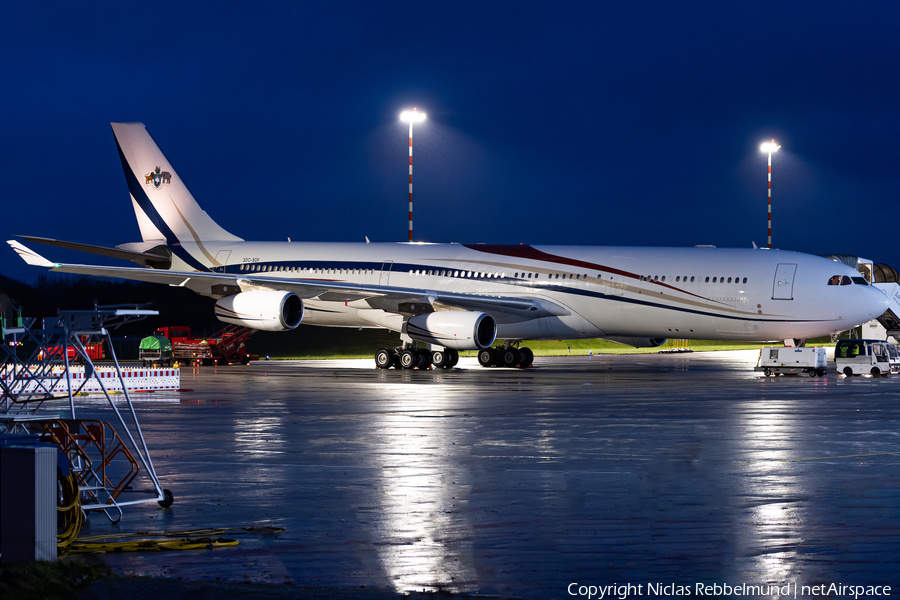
[408,359]
[384,358]
[848,371]
[486,357]
[440,359]
[424,359]
[454,358]
[509,358]
[527,358]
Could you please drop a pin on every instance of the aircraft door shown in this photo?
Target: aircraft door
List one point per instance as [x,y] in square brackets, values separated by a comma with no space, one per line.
[385,277]
[783,287]
[221,260]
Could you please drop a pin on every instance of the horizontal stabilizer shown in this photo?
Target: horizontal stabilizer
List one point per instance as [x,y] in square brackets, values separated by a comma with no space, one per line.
[158,257]
[29,256]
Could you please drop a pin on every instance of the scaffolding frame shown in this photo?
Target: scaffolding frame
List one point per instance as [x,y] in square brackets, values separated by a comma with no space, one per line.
[44,374]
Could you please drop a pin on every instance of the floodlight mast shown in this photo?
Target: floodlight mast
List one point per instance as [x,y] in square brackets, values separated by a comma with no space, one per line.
[770,147]
[411,116]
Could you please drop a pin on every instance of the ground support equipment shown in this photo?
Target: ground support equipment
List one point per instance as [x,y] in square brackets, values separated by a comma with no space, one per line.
[30,378]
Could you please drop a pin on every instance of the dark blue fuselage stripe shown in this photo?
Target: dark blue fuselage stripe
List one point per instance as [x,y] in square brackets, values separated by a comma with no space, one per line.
[140,196]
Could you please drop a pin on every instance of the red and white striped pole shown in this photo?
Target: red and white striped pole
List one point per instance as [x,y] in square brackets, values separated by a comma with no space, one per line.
[770,147]
[413,116]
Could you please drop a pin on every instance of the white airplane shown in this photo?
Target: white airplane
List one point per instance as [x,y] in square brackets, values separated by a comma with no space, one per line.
[443,298]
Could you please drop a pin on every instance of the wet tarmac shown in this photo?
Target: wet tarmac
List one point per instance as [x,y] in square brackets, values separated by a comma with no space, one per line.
[665,469]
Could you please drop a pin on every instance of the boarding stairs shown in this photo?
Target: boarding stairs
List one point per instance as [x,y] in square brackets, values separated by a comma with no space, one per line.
[890,320]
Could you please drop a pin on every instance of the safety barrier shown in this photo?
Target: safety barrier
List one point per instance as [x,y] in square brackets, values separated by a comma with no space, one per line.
[136,379]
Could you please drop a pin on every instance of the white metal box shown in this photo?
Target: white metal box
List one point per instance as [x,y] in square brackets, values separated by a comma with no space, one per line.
[775,360]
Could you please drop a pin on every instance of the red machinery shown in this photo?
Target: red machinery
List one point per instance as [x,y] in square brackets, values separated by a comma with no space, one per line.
[94,350]
[225,347]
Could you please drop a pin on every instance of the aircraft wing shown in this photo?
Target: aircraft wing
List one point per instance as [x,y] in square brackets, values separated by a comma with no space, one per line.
[505,309]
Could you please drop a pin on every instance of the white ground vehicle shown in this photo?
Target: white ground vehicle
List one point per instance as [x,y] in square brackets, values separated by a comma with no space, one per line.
[792,361]
[866,357]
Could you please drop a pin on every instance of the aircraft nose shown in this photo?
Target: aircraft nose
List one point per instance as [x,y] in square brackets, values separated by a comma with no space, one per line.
[876,302]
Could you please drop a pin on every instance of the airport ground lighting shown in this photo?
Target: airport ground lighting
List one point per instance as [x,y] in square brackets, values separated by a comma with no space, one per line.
[768,147]
[411,116]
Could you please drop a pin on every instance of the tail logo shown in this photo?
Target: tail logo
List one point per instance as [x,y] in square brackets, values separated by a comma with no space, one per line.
[158,178]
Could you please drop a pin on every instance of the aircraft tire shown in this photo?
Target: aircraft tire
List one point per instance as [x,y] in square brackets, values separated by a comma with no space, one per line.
[408,359]
[384,358]
[424,359]
[486,357]
[509,358]
[454,358]
[527,359]
[440,359]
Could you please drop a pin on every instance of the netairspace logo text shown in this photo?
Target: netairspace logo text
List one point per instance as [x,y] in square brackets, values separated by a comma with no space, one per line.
[788,590]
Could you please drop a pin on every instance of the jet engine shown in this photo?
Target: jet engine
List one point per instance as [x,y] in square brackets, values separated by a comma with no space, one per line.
[264,310]
[459,330]
[638,342]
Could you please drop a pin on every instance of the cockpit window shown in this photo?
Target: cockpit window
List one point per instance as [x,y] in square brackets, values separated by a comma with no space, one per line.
[860,280]
[834,280]
[846,280]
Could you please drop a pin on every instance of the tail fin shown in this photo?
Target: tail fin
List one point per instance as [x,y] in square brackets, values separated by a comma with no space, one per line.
[164,207]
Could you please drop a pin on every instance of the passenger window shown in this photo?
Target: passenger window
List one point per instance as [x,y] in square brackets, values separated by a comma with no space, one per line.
[678,278]
[663,278]
[729,280]
[529,276]
[692,279]
[745,280]
[557,275]
[846,280]
[714,279]
[707,280]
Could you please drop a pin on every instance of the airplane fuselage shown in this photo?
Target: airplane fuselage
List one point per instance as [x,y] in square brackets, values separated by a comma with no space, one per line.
[633,292]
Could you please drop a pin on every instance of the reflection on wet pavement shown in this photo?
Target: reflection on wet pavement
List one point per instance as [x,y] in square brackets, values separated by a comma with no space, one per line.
[647,468]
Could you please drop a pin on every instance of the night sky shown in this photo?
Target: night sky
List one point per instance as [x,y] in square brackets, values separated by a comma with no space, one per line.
[593,123]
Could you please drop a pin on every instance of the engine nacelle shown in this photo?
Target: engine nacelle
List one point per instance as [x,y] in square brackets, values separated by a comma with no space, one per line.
[638,342]
[459,330]
[264,310]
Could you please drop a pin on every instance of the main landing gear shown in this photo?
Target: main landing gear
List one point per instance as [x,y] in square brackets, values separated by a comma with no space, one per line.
[509,355]
[408,357]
